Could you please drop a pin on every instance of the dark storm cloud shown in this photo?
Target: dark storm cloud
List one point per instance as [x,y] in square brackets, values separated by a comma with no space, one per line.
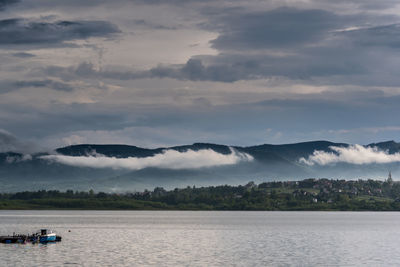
[362,4]
[276,28]
[312,44]
[290,29]
[287,42]
[5,3]
[228,68]
[192,70]
[152,26]
[384,36]
[302,44]
[23,55]
[195,70]
[24,32]
[170,2]
[86,70]
[7,86]
[55,85]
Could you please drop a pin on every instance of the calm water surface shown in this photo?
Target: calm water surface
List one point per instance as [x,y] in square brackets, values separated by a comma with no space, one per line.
[199,238]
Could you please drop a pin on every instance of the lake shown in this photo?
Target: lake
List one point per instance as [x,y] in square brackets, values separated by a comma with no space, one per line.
[205,238]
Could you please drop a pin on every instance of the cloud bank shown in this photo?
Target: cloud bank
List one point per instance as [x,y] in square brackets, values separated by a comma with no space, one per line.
[355,154]
[168,159]
[18,31]
[10,143]
[6,3]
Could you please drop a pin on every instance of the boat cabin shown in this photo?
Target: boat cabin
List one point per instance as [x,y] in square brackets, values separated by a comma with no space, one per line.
[45,231]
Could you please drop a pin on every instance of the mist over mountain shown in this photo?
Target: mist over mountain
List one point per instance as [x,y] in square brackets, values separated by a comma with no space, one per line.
[130,168]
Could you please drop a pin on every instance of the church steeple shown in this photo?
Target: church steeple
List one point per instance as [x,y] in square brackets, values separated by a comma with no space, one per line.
[389,179]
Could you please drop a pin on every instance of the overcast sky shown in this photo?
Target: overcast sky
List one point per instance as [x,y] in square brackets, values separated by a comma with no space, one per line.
[156,73]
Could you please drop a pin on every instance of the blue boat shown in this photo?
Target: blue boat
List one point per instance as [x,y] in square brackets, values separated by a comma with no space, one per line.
[42,236]
[46,235]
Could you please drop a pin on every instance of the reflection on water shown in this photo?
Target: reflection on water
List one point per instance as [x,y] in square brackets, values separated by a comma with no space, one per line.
[185,238]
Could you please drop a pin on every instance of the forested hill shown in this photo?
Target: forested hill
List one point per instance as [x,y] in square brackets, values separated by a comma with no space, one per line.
[292,151]
[309,194]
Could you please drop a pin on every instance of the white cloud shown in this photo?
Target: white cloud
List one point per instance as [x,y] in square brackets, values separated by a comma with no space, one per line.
[355,154]
[17,159]
[168,159]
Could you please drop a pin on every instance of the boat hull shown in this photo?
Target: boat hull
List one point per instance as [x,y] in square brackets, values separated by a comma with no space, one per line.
[47,238]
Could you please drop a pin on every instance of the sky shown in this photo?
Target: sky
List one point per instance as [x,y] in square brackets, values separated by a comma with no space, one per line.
[156,73]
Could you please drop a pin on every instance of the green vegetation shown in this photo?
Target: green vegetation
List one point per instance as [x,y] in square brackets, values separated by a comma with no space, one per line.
[309,194]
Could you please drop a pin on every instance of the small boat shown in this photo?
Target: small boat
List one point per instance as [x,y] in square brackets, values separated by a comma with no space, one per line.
[42,236]
[46,235]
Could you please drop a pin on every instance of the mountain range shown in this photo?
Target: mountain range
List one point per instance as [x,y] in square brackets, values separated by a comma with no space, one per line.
[130,168]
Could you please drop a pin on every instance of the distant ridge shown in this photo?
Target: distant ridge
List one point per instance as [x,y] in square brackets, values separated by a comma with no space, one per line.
[290,151]
[118,151]
[270,162]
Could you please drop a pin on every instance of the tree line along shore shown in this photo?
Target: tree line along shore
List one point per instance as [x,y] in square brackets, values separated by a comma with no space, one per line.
[309,194]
